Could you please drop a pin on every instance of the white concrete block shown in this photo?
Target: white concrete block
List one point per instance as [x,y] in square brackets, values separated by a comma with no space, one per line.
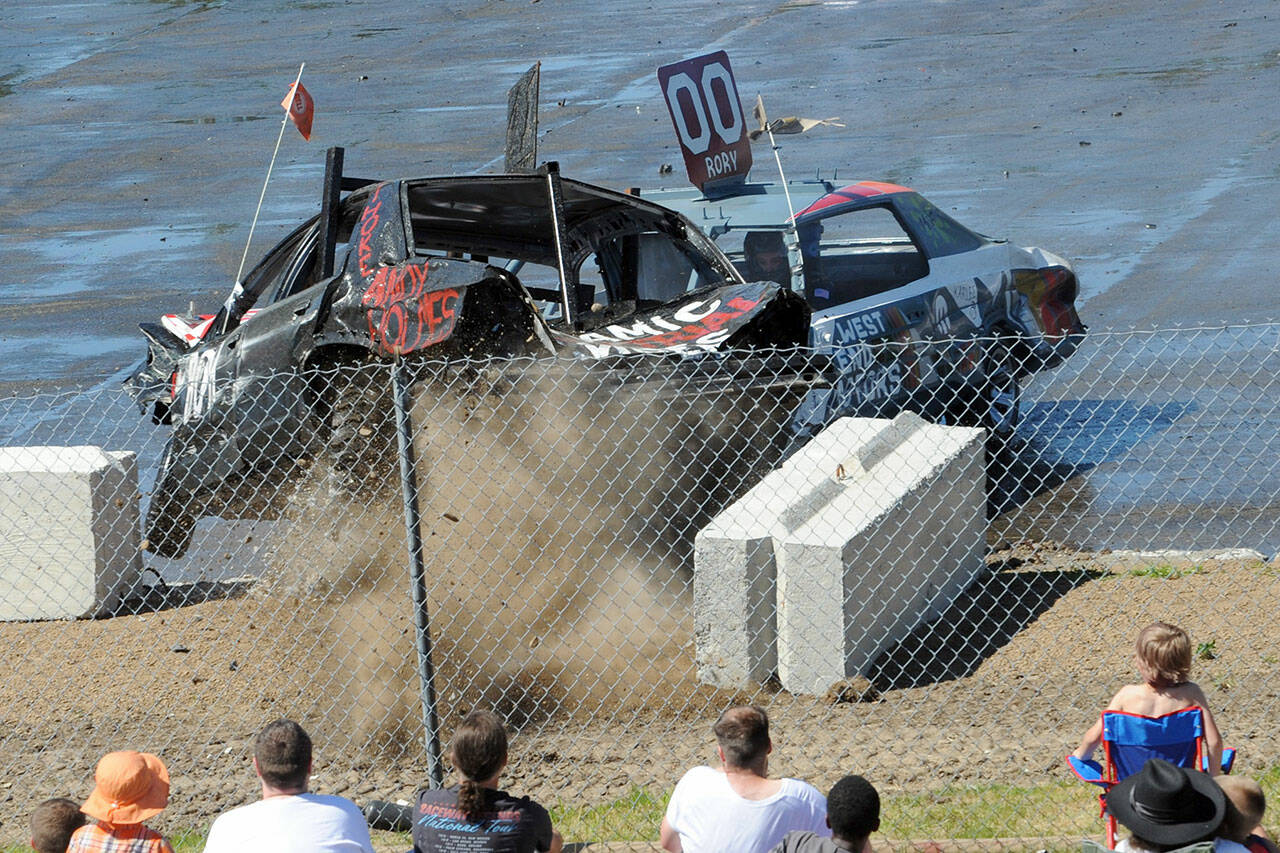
[68,531]
[869,529]
[735,629]
[891,534]
[734,577]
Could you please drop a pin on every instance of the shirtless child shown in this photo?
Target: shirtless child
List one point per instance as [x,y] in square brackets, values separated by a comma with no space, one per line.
[1164,663]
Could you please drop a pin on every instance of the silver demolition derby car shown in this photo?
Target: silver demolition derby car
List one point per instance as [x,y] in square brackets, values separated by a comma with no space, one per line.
[918,310]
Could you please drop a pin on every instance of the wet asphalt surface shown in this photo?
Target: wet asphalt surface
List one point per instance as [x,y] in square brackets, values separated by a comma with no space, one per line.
[1137,139]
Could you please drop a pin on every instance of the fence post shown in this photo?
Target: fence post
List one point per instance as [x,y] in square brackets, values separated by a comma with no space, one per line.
[409,486]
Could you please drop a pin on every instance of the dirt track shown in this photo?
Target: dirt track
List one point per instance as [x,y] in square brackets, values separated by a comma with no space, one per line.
[1008,678]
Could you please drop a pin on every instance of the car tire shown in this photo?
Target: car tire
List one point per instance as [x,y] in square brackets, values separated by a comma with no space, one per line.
[362,439]
[171,519]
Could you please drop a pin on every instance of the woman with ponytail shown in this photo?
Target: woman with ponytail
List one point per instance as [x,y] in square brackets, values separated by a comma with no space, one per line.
[475,815]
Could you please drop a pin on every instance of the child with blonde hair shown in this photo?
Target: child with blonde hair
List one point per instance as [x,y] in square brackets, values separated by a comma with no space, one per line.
[1163,661]
[1246,804]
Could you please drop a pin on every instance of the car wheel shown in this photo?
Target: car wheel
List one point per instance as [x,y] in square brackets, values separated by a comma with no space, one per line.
[171,516]
[362,438]
[1004,399]
[1002,390]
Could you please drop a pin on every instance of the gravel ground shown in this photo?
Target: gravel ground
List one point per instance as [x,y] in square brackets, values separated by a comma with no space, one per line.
[1000,687]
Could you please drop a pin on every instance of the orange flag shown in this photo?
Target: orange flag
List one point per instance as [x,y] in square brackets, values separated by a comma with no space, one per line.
[302,109]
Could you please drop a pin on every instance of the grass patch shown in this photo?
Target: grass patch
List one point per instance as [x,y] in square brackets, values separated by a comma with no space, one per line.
[986,811]
[1059,809]
[993,811]
[635,816]
[1166,571]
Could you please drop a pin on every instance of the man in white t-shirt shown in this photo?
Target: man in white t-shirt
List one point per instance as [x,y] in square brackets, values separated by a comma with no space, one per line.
[289,819]
[738,807]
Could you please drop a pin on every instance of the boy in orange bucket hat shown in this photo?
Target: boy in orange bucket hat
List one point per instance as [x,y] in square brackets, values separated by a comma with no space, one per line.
[129,787]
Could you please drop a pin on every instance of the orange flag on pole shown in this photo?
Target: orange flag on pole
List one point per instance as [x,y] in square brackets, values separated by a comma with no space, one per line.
[302,109]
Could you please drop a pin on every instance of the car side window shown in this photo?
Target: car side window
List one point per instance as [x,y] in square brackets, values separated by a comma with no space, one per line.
[263,283]
[299,273]
[856,254]
[646,268]
[304,267]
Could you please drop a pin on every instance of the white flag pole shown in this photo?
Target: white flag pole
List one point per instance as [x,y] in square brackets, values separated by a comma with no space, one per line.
[786,191]
[292,91]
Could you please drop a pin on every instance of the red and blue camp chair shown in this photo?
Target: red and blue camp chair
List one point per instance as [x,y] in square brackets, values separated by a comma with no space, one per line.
[1128,740]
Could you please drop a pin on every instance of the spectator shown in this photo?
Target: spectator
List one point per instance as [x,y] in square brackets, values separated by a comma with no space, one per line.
[1167,807]
[853,813]
[1246,804]
[738,807]
[765,257]
[1164,664]
[476,816]
[52,823]
[288,818]
[129,787]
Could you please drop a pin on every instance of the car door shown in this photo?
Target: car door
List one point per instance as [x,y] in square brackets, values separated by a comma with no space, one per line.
[273,402]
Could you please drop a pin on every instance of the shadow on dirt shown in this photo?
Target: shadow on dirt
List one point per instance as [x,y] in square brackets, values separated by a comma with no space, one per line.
[1018,473]
[978,624]
[1064,439]
[169,596]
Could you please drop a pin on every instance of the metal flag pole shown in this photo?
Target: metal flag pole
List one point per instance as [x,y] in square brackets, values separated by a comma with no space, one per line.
[786,191]
[270,166]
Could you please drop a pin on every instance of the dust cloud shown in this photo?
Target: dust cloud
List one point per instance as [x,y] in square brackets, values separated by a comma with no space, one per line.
[559,507]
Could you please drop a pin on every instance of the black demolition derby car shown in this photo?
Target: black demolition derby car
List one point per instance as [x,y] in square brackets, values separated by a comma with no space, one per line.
[513,265]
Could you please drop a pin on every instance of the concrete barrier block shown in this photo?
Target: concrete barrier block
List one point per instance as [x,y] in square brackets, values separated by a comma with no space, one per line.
[892,532]
[735,576]
[68,531]
[735,627]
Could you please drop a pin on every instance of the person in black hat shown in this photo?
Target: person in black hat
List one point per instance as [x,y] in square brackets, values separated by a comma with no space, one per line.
[1167,807]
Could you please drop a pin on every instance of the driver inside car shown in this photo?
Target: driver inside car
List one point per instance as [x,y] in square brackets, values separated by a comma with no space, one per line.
[766,257]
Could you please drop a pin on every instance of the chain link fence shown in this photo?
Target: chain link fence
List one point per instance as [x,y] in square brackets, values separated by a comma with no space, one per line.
[559,507]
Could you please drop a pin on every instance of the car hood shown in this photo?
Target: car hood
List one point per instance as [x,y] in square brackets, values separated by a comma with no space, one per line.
[756,314]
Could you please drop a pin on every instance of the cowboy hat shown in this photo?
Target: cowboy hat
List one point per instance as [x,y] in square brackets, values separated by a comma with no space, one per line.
[129,788]
[1168,805]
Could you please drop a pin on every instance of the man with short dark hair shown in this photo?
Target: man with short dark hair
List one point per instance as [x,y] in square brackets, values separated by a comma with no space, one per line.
[288,818]
[738,807]
[853,813]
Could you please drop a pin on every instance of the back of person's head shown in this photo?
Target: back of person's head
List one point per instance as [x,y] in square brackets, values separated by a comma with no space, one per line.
[743,735]
[282,751]
[1246,804]
[1165,650]
[52,824]
[853,808]
[479,752]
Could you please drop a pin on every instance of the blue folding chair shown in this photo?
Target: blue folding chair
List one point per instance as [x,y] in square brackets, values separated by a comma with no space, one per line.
[1129,740]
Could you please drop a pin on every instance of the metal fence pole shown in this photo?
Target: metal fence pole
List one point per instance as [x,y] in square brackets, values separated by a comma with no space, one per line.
[409,483]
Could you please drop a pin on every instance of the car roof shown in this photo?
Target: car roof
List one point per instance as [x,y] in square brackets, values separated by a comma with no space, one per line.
[861,194]
[764,205]
[507,215]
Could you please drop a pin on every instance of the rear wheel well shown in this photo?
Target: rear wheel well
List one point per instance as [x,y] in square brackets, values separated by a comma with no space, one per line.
[320,369]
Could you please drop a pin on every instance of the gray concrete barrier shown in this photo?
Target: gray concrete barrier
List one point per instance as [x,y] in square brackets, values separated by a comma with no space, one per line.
[68,531]
[871,528]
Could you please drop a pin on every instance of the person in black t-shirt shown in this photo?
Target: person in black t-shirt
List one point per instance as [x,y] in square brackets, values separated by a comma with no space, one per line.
[475,816]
